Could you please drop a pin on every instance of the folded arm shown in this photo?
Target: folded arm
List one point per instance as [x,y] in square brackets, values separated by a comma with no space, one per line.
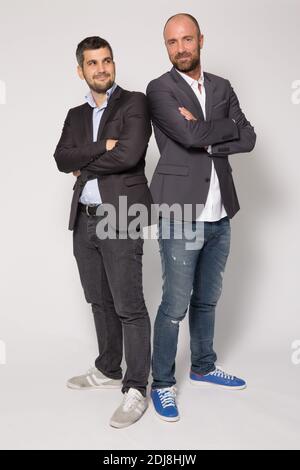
[247,136]
[165,114]
[70,157]
[132,142]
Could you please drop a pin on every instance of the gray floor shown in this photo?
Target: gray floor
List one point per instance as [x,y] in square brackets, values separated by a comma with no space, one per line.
[39,412]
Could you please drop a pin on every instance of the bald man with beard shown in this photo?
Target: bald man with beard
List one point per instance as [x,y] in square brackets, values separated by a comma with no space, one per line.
[198,123]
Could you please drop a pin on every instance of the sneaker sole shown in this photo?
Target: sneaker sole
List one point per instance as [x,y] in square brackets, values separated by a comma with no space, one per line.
[195,383]
[164,418]
[98,387]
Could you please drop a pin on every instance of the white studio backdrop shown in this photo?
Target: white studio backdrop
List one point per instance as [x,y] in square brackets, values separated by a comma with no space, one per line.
[45,322]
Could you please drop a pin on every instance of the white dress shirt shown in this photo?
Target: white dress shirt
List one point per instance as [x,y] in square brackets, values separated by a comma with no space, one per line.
[90,194]
[214,209]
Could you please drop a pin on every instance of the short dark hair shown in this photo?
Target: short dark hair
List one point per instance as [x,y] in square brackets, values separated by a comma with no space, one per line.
[188,16]
[91,43]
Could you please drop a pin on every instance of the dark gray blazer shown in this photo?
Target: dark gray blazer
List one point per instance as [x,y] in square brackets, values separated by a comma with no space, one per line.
[121,171]
[183,172]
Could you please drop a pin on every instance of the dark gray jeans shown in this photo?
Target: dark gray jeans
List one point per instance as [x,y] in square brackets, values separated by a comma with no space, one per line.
[111,276]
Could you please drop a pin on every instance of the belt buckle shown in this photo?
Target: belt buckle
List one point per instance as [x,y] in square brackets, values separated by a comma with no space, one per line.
[87,210]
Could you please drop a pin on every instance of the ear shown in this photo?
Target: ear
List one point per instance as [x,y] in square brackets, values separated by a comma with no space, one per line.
[80,72]
[201,41]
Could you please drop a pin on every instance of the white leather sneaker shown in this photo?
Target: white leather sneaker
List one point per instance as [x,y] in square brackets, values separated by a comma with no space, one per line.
[131,410]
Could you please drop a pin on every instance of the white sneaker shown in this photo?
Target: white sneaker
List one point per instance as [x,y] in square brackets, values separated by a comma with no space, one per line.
[93,379]
[131,410]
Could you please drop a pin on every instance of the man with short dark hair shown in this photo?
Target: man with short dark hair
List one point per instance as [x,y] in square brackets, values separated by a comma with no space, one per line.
[104,145]
[197,122]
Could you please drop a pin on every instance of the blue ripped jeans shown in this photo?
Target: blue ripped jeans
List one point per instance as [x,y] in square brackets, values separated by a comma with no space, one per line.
[192,278]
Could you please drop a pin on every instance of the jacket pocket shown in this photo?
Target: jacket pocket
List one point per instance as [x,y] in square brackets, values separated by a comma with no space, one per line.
[133,180]
[179,170]
[220,103]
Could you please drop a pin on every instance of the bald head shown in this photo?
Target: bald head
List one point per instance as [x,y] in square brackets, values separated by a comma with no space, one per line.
[176,19]
[184,42]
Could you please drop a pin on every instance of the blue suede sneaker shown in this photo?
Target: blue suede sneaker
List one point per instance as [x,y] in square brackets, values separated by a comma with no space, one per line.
[164,401]
[219,378]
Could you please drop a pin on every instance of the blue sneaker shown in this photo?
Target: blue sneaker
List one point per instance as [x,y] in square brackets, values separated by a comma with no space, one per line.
[165,404]
[219,378]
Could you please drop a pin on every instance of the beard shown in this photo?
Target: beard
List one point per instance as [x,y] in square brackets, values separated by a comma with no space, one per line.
[98,87]
[190,64]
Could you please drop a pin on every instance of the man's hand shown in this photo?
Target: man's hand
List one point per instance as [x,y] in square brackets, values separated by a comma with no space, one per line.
[110,144]
[187,114]
[77,173]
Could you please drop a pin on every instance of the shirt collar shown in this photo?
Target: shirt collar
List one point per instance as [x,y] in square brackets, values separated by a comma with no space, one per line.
[190,80]
[90,99]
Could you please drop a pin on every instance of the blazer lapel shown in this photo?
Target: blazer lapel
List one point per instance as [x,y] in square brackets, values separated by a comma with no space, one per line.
[185,87]
[88,122]
[111,106]
[209,89]
[88,115]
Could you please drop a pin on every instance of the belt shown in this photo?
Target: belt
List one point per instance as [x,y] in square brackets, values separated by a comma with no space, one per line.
[88,210]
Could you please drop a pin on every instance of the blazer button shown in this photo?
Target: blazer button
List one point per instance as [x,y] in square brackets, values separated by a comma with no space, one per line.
[207,180]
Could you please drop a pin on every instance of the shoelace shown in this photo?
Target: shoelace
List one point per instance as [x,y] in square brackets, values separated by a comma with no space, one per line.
[167,396]
[131,399]
[222,374]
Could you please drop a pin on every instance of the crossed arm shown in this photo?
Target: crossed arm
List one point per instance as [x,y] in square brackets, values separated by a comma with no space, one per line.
[70,157]
[247,137]
[108,156]
[233,134]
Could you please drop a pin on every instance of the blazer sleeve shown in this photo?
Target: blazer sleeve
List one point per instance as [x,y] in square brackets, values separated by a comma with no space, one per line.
[166,116]
[69,157]
[132,143]
[247,136]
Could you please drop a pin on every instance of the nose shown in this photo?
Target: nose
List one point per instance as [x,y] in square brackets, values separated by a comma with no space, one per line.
[100,69]
[180,47]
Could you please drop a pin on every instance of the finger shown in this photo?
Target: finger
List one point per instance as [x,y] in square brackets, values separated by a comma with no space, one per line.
[188,116]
